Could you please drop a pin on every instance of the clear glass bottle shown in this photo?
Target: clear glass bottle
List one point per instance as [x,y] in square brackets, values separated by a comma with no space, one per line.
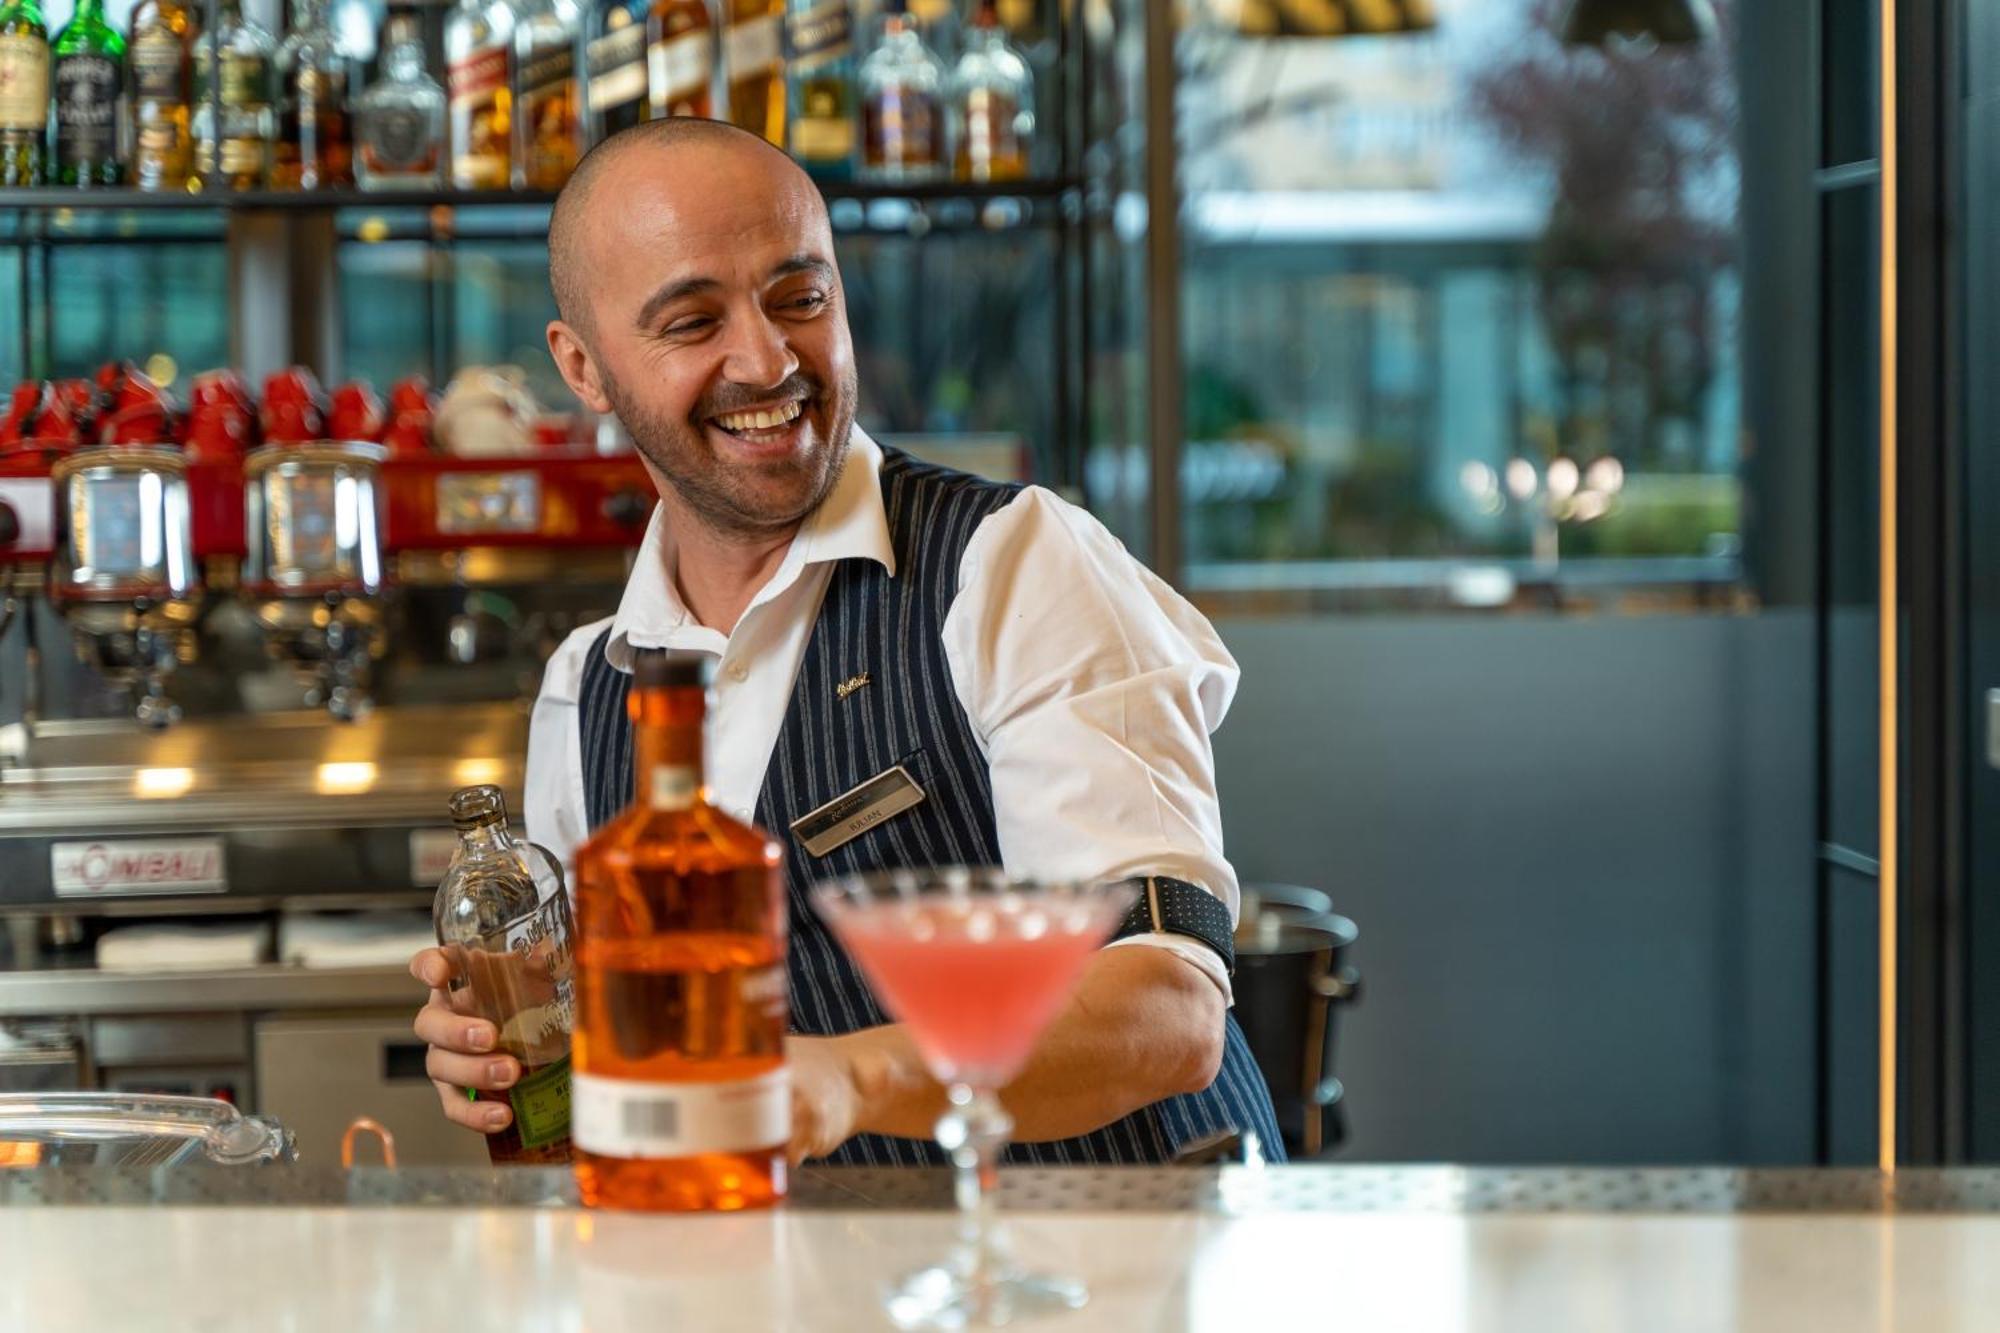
[753,66]
[88,70]
[478,58]
[548,117]
[821,73]
[993,104]
[682,1095]
[680,59]
[315,150]
[160,59]
[235,154]
[503,921]
[616,57]
[400,119]
[24,92]
[902,104]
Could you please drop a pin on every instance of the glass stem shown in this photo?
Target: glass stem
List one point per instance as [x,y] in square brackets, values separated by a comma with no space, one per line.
[973,1131]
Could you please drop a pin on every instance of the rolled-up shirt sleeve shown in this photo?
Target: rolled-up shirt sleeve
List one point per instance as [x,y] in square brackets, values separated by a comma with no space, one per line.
[1094,688]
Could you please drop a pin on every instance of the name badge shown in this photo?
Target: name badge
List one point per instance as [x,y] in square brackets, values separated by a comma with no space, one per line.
[845,818]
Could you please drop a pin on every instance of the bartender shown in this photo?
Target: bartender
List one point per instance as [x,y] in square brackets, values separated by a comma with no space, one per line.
[1060,695]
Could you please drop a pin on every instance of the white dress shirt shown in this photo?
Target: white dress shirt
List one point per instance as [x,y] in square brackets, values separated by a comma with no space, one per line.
[1091,685]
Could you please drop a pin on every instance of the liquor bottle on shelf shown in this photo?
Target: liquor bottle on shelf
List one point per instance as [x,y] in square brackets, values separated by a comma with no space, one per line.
[24,92]
[682,1096]
[400,119]
[753,66]
[503,921]
[902,104]
[993,104]
[478,51]
[88,70]
[160,59]
[314,150]
[548,116]
[616,58]
[234,154]
[680,59]
[821,38]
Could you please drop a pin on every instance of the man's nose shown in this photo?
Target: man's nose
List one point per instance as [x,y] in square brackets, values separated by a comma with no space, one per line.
[758,352]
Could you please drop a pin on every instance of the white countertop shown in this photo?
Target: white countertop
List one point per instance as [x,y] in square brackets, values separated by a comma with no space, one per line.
[559,1270]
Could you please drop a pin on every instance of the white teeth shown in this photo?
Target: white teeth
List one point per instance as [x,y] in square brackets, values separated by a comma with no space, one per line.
[759,420]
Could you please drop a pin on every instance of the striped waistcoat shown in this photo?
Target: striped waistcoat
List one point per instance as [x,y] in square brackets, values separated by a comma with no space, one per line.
[891,628]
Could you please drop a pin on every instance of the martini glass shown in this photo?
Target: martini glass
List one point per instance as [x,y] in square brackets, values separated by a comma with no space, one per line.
[975,966]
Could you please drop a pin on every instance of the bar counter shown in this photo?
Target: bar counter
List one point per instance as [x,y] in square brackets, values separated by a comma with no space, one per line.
[1228,1249]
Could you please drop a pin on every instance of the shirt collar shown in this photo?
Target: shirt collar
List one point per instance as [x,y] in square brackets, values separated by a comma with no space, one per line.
[850,523]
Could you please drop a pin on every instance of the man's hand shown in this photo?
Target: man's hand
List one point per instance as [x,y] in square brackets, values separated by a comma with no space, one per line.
[461,1054]
[826,1103]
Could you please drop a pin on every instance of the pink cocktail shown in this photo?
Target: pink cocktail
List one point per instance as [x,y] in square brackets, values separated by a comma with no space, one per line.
[976,967]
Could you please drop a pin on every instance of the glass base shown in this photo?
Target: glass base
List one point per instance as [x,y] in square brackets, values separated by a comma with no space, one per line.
[943,1297]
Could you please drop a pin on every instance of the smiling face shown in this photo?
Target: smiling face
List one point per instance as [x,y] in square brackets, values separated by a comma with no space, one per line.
[713,324]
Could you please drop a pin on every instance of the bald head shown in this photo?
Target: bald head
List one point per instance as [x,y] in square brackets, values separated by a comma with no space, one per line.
[684,153]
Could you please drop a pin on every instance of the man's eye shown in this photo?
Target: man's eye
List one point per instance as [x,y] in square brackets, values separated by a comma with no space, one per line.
[692,324]
[810,301]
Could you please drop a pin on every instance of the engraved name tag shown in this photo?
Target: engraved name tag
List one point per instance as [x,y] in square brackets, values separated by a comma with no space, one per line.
[845,818]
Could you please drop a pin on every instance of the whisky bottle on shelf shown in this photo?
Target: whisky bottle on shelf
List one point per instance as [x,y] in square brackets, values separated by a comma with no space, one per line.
[902,104]
[682,1096]
[87,69]
[400,119]
[314,150]
[616,57]
[680,59]
[821,74]
[478,51]
[234,152]
[993,103]
[160,70]
[24,92]
[753,66]
[503,922]
[548,116]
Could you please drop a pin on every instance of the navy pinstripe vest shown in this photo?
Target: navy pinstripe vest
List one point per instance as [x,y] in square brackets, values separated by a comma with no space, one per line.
[892,628]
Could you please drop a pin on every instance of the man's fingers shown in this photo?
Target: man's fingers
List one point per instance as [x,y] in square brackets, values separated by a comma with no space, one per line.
[488,1073]
[438,1026]
[432,968]
[485,1116]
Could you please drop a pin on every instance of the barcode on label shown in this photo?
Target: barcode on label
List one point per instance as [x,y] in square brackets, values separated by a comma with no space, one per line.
[652,1119]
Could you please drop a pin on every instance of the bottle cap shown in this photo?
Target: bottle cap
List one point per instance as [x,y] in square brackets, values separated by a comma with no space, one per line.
[476,807]
[667,669]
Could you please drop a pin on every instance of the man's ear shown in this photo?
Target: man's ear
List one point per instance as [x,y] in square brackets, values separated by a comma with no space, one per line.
[578,368]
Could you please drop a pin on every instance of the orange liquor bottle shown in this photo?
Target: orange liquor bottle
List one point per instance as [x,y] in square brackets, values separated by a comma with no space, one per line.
[681,1100]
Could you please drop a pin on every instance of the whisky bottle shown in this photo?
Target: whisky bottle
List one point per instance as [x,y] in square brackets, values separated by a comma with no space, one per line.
[478,49]
[160,74]
[682,1095]
[314,150]
[234,154]
[753,66]
[24,92]
[821,75]
[902,104]
[88,70]
[548,118]
[680,59]
[993,103]
[400,119]
[503,922]
[616,57]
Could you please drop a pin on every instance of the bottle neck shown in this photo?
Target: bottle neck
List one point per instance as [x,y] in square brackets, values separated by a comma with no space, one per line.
[89,11]
[406,53]
[667,747]
[481,839]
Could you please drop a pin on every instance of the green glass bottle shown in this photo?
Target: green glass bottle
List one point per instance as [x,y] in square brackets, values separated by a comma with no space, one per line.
[89,72]
[24,91]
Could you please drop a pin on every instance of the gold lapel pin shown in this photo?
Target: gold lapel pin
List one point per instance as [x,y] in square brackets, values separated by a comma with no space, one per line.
[850,685]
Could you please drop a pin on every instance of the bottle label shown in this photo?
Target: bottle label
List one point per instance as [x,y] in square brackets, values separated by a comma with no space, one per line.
[398,139]
[902,128]
[618,67]
[824,130]
[86,108]
[243,156]
[541,1104]
[24,82]
[680,66]
[246,80]
[618,1117]
[675,787]
[821,35]
[159,65]
[479,76]
[546,74]
[752,48]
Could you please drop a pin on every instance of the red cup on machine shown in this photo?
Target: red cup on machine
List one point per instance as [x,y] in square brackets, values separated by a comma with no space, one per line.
[411,407]
[358,414]
[24,405]
[293,411]
[221,422]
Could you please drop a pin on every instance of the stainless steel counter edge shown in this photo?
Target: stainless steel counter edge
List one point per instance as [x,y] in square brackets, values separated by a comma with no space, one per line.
[89,991]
